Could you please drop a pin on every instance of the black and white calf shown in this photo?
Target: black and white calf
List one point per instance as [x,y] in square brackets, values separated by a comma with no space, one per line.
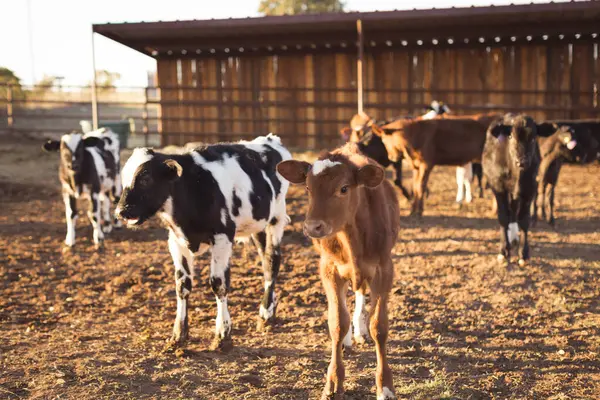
[89,167]
[207,197]
[511,159]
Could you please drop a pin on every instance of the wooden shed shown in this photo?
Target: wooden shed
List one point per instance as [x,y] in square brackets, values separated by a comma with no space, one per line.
[297,76]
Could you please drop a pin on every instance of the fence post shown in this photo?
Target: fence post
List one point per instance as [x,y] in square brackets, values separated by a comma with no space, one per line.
[145,117]
[9,107]
[359,66]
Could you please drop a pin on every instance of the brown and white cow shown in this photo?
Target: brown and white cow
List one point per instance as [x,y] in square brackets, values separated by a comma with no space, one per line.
[353,220]
[426,143]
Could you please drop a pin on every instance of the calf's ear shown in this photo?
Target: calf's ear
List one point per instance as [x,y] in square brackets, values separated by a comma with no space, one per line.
[51,145]
[294,171]
[173,169]
[370,175]
[377,130]
[546,129]
[500,129]
[345,133]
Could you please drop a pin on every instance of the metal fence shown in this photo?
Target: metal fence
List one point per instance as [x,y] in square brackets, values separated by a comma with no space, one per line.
[47,111]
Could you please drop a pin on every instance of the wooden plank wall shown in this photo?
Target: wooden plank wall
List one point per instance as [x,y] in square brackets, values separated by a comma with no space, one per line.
[306,99]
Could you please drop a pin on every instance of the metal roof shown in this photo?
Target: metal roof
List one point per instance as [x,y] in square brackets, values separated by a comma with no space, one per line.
[469,26]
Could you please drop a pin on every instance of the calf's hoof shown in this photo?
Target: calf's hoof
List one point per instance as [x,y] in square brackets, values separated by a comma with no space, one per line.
[386,394]
[522,262]
[265,325]
[221,344]
[68,249]
[332,396]
[362,339]
[99,246]
[502,259]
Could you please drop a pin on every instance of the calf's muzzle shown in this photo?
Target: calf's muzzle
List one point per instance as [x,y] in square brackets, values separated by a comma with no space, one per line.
[316,228]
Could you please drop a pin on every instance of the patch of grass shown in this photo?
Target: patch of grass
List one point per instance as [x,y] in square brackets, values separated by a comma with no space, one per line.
[437,388]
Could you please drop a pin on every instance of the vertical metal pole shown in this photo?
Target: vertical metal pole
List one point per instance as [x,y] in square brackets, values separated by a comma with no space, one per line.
[145,117]
[9,107]
[359,65]
[94,93]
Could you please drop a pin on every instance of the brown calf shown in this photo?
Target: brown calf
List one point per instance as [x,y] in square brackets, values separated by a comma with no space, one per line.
[427,143]
[353,220]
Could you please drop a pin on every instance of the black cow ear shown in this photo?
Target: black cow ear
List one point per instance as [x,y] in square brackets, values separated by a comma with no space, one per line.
[173,169]
[51,145]
[294,171]
[370,175]
[93,141]
[500,129]
[546,129]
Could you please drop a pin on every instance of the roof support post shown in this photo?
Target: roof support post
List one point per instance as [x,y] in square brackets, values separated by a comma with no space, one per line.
[94,87]
[359,65]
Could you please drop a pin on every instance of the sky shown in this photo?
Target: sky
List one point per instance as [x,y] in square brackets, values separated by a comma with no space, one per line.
[54,37]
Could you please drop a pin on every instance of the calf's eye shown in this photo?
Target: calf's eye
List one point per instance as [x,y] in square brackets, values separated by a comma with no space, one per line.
[344,189]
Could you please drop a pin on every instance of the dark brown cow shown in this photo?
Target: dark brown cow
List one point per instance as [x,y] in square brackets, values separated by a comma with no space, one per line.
[353,220]
[427,143]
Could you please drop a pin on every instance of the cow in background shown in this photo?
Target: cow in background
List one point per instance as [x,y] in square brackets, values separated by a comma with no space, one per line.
[89,168]
[427,143]
[360,132]
[554,149]
[511,160]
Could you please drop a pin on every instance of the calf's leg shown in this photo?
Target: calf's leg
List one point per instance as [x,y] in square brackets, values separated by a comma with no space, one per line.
[550,196]
[524,219]
[220,278]
[71,217]
[503,212]
[424,173]
[379,326]
[94,216]
[183,259]
[542,203]
[338,320]
[106,217]
[398,180]
[360,317]
[271,263]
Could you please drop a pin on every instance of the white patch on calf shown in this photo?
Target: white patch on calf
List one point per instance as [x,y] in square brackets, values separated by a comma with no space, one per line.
[571,145]
[513,233]
[320,165]
[72,140]
[231,178]
[359,320]
[431,114]
[138,157]
[106,183]
[166,215]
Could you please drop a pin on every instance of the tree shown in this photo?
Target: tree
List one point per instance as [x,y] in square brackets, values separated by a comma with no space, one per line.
[106,80]
[8,77]
[46,83]
[292,7]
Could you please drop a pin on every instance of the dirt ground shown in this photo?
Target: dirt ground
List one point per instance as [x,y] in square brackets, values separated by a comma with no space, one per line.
[93,326]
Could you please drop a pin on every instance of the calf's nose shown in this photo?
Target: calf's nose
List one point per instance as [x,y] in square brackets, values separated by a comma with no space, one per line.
[316,228]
